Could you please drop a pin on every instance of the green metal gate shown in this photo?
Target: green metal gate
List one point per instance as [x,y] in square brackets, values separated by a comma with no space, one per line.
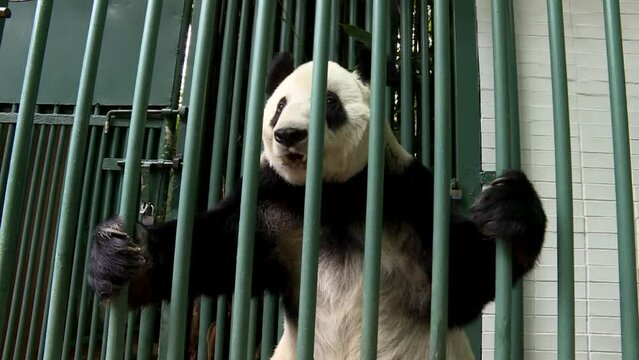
[147,115]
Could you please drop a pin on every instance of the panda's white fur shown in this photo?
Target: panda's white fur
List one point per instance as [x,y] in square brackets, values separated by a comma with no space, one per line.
[340,283]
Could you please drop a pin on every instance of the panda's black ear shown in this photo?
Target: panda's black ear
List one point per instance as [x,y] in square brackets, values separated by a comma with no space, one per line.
[281,66]
[364,56]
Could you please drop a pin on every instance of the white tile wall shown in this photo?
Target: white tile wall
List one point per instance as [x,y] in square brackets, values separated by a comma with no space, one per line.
[596,290]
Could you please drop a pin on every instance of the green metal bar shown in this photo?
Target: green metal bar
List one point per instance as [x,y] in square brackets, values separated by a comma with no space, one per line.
[442,176]
[105,211]
[424,70]
[49,225]
[286,28]
[219,139]
[84,227]
[250,165]
[4,171]
[73,180]
[148,313]
[313,189]
[407,129]
[517,293]
[252,329]
[105,332]
[129,198]
[236,107]
[352,19]
[13,206]
[623,182]
[375,187]
[3,3]
[188,190]
[96,194]
[368,15]
[93,328]
[563,169]
[33,217]
[334,31]
[269,316]
[503,301]
[280,318]
[300,32]
[130,333]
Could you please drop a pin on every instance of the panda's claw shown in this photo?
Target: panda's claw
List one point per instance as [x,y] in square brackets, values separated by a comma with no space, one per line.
[510,210]
[117,258]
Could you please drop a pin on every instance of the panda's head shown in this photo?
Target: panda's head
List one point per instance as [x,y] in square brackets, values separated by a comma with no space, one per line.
[288,112]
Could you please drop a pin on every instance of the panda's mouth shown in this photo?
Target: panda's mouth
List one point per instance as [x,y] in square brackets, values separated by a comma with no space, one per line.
[294,159]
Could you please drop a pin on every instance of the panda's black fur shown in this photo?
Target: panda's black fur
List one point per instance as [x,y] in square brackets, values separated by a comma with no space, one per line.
[509,209]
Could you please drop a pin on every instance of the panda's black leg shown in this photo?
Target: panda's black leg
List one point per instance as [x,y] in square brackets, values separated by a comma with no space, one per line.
[510,210]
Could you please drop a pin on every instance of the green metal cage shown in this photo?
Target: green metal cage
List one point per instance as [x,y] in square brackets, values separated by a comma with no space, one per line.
[138,108]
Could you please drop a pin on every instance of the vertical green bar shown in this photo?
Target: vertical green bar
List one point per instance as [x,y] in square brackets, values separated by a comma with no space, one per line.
[313,191]
[32,219]
[244,268]
[73,179]
[375,179]
[269,315]
[131,179]
[219,132]
[407,129]
[517,293]
[49,225]
[13,206]
[231,161]
[563,169]
[4,171]
[352,19]
[252,329]
[623,182]
[3,3]
[190,172]
[300,32]
[424,55]
[334,31]
[503,300]
[442,176]
[79,247]
[96,193]
[286,28]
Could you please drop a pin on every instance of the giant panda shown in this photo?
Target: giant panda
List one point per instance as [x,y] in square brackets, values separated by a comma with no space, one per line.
[508,210]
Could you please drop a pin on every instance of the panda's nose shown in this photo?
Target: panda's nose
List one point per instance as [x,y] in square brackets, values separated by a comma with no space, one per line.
[290,136]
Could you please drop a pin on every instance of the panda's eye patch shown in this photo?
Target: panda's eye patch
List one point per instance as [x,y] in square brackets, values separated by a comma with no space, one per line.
[335,113]
[278,111]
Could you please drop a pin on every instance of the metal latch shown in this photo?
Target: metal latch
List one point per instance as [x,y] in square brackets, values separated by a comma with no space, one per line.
[455,191]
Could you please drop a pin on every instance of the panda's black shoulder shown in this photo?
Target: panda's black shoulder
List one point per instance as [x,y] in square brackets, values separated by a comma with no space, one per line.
[408,192]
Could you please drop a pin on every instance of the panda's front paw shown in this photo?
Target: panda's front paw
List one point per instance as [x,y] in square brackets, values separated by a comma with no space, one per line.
[510,209]
[117,258]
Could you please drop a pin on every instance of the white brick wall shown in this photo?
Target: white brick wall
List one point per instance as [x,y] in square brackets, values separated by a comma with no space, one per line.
[596,273]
